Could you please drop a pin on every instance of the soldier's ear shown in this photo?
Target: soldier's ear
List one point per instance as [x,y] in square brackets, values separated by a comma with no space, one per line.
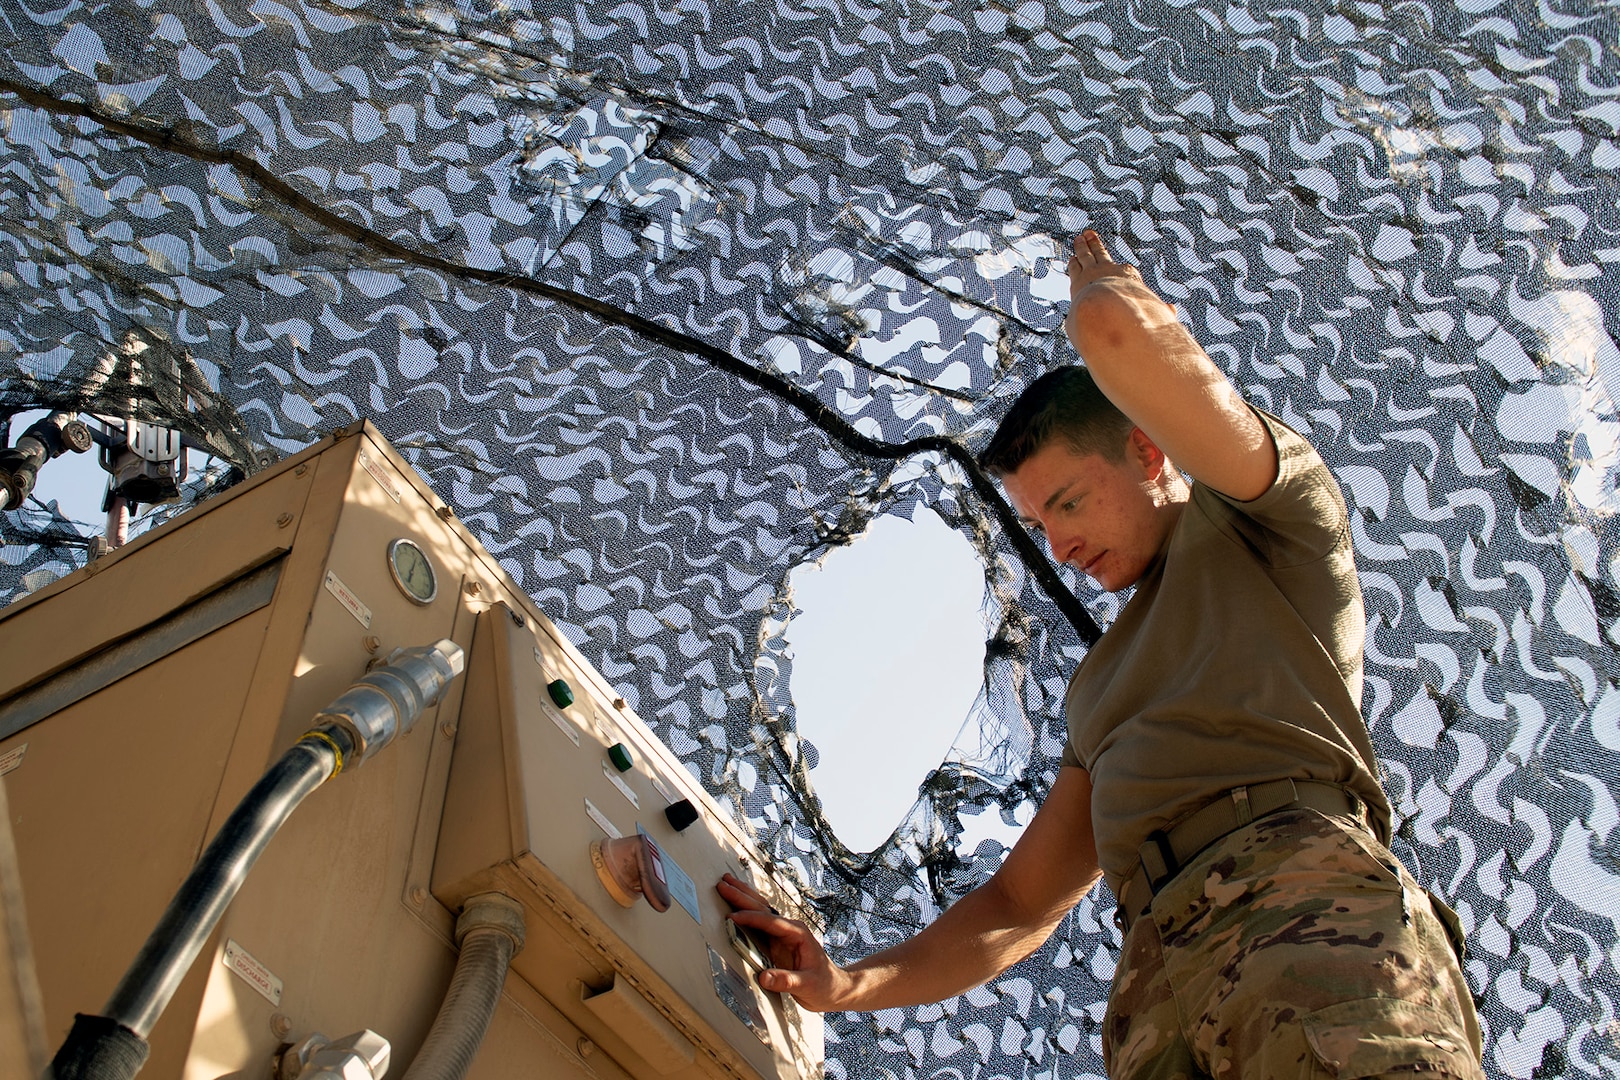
[1146,453]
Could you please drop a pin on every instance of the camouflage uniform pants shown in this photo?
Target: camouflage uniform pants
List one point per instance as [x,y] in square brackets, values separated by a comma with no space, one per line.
[1298,947]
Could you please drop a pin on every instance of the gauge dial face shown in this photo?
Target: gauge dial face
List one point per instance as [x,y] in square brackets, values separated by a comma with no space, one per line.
[412,571]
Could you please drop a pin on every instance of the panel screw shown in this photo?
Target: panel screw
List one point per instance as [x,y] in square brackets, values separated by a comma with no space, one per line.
[449,729]
[474,588]
[620,703]
[418,896]
[301,470]
[281,1023]
[445,513]
[283,521]
[372,643]
[517,618]
[585,1047]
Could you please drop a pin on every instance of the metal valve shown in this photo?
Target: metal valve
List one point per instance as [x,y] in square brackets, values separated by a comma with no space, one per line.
[363,1055]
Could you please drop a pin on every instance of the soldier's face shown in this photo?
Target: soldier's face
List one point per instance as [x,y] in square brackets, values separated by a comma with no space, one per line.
[1105,517]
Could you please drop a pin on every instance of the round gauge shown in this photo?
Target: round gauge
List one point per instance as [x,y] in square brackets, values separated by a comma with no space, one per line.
[412,571]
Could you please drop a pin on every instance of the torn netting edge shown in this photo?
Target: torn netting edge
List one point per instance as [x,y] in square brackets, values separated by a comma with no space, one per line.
[632,287]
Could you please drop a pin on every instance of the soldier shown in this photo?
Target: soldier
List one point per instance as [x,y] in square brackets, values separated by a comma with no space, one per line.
[1218,772]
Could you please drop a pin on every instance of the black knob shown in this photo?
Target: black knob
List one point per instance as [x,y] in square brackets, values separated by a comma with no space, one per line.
[681,814]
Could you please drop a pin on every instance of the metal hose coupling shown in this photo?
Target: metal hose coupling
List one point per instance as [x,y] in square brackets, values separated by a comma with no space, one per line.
[387,701]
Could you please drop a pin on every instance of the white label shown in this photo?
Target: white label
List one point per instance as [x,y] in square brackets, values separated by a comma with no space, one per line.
[601,820]
[618,781]
[377,474]
[12,758]
[250,971]
[346,597]
[562,725]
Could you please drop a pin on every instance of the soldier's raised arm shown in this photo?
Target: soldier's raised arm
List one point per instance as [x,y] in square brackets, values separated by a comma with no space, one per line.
[1153,370]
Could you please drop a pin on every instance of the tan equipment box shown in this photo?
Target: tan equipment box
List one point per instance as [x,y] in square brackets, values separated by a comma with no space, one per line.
[143,696]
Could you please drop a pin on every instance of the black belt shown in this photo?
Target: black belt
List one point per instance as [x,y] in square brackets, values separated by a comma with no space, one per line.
[1166,851]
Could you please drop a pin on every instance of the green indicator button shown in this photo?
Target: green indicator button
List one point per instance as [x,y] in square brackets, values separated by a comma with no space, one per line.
[622,758]
[561,693]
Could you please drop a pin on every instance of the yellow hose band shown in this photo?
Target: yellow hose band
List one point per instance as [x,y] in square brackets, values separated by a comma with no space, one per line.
[316,733]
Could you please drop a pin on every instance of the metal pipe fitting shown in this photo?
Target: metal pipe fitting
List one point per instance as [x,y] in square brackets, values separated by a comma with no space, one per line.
[386,703]
[46,438]
[492,911]
[363,1055]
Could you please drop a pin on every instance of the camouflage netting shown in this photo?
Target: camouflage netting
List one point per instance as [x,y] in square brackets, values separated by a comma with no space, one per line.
[668,297]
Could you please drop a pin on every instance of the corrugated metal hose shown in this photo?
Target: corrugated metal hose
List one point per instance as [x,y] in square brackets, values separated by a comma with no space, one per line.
[490,933]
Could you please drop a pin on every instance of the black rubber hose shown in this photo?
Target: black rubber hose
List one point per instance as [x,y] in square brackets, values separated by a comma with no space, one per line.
[197,908]
[98,1048]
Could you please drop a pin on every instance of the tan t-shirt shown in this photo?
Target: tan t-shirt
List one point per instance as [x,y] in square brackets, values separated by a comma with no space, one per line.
[1237,661]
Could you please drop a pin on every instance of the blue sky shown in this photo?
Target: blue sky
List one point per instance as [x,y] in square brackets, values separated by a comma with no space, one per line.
[888,654]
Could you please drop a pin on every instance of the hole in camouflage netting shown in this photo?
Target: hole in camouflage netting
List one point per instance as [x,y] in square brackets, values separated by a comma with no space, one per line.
[64,512]
[888,657]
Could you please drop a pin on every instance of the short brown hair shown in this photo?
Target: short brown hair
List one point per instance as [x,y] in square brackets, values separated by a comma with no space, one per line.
[1064,403]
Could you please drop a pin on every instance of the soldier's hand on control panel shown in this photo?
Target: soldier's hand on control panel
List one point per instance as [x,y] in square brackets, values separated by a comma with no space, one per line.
[799,965]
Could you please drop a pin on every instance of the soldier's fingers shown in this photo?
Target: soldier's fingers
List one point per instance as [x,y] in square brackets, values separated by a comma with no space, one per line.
[740,894]
[782,981]
[790,931]
[1094,244]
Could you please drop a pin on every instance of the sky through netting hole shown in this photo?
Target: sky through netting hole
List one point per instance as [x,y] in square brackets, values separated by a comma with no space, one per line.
[76,482]
[888,653]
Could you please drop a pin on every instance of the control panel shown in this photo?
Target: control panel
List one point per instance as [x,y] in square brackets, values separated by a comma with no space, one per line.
[561,797]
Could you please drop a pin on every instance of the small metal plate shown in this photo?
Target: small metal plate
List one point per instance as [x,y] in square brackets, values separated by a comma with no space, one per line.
[378,474]
[737,994]
[601,820]
[346,596]
[681,886]
[618,781]
[242,964]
